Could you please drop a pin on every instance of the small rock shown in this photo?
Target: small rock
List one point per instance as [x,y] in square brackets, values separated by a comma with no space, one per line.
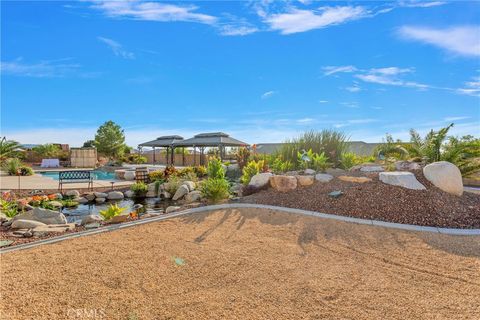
[26,224]
[309,171]
[5,243]
[137,206]
[260,180]
[28,234]
[100,194]
[305,180]
[407,165]
[115,195]
[283,183]
[91,218]
[3,217]
[56,204]
[354,179]
[82,200]
[171,209]
[190,185]
[93,225]
[165,195]
[335,194]
[129,194]
[100,200]
[372,169]
[193,196]
[335,171]
[120,218]
[72,193]
[90,196]
[181,191]
[323,177]
[58,196]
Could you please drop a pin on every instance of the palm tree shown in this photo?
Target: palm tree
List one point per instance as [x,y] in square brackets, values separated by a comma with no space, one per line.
[430,147]
[8,148]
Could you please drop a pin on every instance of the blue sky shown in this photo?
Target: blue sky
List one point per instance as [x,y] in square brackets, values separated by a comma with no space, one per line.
[261,71]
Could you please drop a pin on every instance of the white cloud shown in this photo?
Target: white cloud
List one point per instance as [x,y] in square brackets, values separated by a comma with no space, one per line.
[354,88]
[298,20]
[268,94]
[322,101]
[353,104]
[421,4]
[237,30]
[117,48]
[448,119]
[43,69]
[152,11]
[329,70]
[471,88]
[461,40]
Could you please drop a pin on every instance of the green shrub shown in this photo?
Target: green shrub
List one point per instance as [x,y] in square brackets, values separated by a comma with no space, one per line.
[279,166]
[333,143]
[9,208]
[69,203]
[26,171]
[135,158]
[156,175]
[348,160]
[215,169]
[252,168]
[13,165]
[215,189]
[242,156]
[320,162]
[47,150]
[139,188]
[112,211]
[173,184]
[187,173]
[200,171]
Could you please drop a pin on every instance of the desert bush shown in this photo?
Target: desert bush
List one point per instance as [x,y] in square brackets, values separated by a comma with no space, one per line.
[332,143]
[13,166]
[215,169]
[280,166]
[169,171]
[156,175]
[135,158]
[252,168]
[187,173]
[200,171]
[139,189]
[320,162]
[242,156]
[112,211]
[348,160]
[215,189]
[173,183]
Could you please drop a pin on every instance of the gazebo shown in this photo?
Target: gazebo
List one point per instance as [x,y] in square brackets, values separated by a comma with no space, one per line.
[167,142]
[211,139]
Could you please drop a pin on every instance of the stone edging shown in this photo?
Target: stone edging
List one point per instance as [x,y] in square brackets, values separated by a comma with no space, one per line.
[408,227]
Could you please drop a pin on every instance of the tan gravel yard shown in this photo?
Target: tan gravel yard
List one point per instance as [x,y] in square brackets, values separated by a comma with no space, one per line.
[246,264]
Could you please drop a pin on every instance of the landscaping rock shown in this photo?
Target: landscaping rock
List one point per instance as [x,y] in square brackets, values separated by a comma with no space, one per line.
[445,176]
[115,195]
[58,196]
[181,191]
[237,189]
[193,196]
[3,217]
[283,183]
[335,194]
[100,194]
[354,179]
[323,177]
[165,195]
[150,215]
[91,218]
[305,180]
[40,230]
[22,205]
[28,234]
[151,194]
[5,243]
[309,171]
[82,200]
[119,219]
[42,215]
[137,206]
[129,194]
[401,179]
[171,209]
[260,180]
[371,168]
[26,224]
[407,166]
[56,204]
[129,175]
[335,171]
[93,225]
[89,196]
[100,200]
[190,185]
[72,193]
[233,172]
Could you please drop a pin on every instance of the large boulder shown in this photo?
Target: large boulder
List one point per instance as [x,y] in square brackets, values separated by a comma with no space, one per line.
[181,191]
[193,196]
[445,176]
[115,195]
[26,224]
[82,200]
[260,180]
[129,175]
[42,215]
[305,180]
[323,177]
[100,200]
[100,194]
[283,183]
[72,193]
[401,179]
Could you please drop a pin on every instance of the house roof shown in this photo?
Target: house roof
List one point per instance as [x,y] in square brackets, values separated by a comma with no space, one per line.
[211,139]
[163,141]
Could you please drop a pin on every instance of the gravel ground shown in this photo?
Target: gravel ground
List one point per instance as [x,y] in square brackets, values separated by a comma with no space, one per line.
[246,264]
[379,201]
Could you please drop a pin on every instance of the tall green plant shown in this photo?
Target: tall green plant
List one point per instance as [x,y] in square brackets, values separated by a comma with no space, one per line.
[430,147]
[252,168]
[333,143]
[110,140]
[47,150]
[215,169]
[8,148]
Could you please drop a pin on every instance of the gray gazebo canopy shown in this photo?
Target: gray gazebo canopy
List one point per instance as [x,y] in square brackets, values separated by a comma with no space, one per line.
[211,139]
[167,142]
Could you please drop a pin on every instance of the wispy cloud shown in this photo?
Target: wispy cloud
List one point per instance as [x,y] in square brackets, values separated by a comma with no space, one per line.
[354,122]
[117,48]
[44,69]
[234,26]
[300,20]
[268,94]
[458,118]
[354,88]
[330,70]
[471,88]
[353,104]
[461,40]
[322,101]
[421,4]
[152,11]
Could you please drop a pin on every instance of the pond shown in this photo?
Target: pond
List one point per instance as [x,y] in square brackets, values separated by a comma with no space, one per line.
[150,205]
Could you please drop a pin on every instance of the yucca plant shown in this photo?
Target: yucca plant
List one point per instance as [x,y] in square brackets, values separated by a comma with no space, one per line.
[112,211]
[252,168]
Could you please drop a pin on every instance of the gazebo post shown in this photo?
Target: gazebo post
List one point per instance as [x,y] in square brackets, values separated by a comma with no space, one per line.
[194,157]
[173,155]
[153,155]
[183,156]
[166,158]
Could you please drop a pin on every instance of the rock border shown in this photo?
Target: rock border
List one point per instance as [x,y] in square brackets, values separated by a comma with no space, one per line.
[391,225]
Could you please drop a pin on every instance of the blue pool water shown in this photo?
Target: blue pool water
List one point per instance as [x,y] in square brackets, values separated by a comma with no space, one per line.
[97,175]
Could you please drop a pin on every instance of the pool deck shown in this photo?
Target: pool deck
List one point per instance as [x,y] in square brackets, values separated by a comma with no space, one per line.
[37,181]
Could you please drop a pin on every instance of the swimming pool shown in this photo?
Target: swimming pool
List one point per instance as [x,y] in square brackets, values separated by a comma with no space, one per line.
[97,175]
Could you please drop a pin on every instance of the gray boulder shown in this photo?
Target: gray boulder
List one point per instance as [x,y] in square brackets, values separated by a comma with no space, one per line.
[129,194]
[181,191]
[171,209]
[82,200]
[401,179]
[100,194]
[260,180]
[91,218]
[323,177]
[190,185]
[42,215]
[26,224]
[72,193]
[100,200]
[445,176]
[89,196]
[193,196]
[115,195]
[309,171]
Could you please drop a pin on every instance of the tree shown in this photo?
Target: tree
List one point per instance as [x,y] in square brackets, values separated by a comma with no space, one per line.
[8,148]
[110,140]
[89,144]
[47,150]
